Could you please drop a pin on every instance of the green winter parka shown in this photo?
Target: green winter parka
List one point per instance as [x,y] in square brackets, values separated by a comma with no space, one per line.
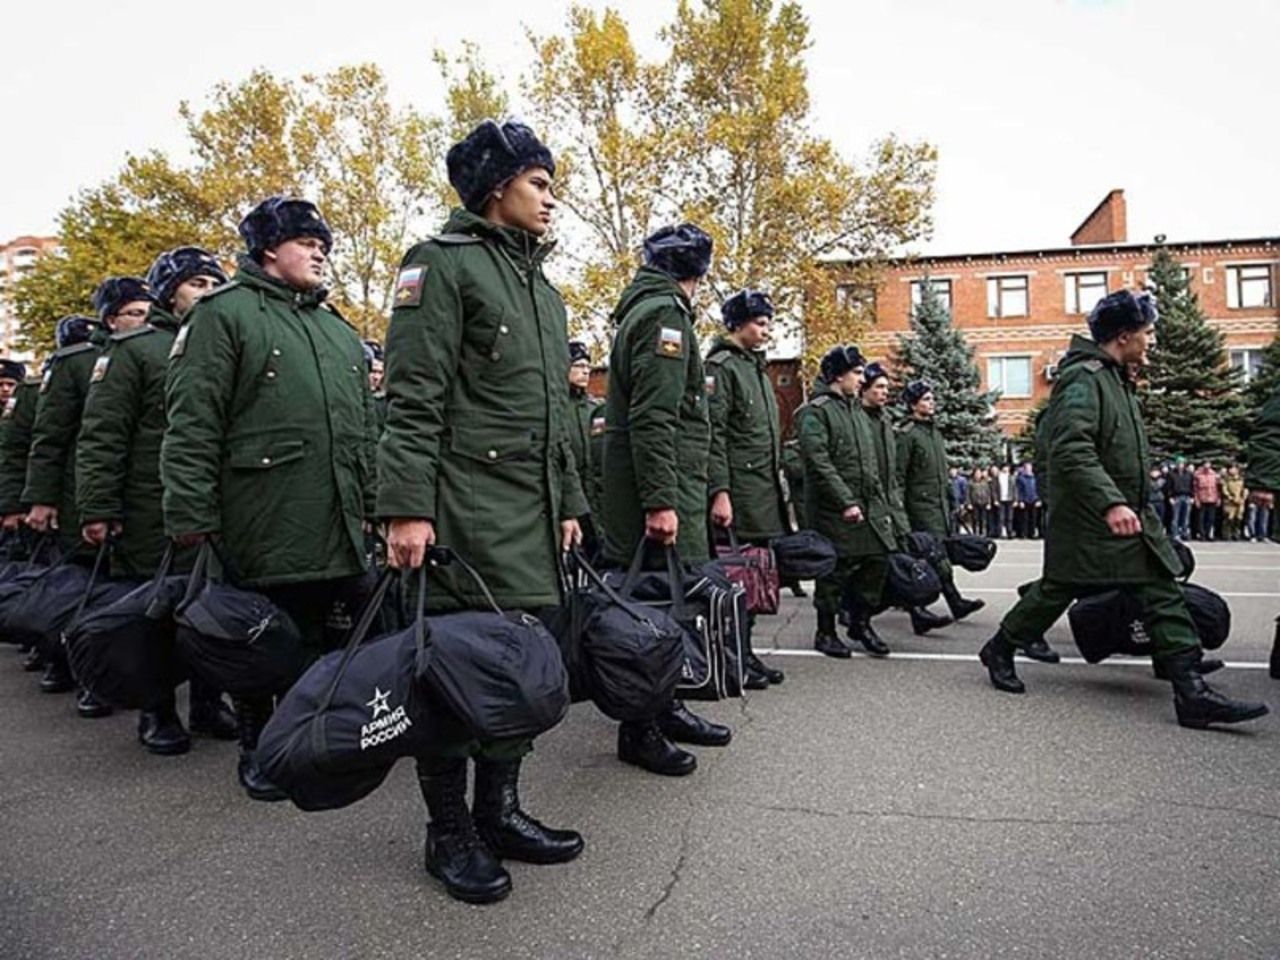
[1098,457]
[477,437]
[586,428]
[746,453]
[922,476]
[16,421]
[840,471]
[269,418]
[887,459]
[657,434]
[1264,448]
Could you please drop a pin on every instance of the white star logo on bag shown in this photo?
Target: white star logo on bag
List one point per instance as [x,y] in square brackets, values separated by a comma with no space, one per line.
[379,703]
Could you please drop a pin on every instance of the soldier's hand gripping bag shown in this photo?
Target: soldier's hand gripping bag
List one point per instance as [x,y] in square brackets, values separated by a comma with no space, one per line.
[339,730]
[970,551]
[499,673]
[1210,613]
[235,640]
[124,652]
[54,597]
[806,555]
[1107,623]
[911,582]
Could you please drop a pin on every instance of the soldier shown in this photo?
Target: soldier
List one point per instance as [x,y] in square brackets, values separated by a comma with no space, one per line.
[922,478]
[585,432]
[746,456]
[118,464]
[266,440]
[1103,533]
[655,454]
[875,397]
[846,503]
[1263,479]
[16,416]
[12,373]
[51,463]
[476,455]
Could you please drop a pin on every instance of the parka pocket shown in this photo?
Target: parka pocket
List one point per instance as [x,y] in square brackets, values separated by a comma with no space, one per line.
[493,446]
[265,454]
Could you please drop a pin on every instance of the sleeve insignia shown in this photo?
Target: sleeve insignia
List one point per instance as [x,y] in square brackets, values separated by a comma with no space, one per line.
[711,384]
[409,286]
[46,380]
[100,368]
[597,426]
[670,342]
[9,406]
[180,342]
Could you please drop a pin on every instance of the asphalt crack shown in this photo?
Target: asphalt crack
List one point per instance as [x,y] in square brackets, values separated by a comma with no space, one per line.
[944,817]
[1210,808]
[682,858]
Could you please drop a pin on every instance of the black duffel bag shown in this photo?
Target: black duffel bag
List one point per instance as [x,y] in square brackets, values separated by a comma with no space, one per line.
[925,546]
[1210,613]
[911,582]
[806,555]
[1185,557]
[124,653]
[336,734]
[54,597]
[235,640]
[1108,623]
[624,656]
[970,551]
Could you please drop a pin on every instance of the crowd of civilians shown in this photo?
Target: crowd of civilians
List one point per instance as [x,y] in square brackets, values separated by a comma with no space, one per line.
[1201,503]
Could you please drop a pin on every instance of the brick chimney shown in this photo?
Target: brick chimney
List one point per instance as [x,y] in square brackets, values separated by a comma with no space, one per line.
[1106,224]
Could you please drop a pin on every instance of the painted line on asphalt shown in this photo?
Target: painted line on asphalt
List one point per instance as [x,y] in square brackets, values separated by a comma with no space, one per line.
[1199,567]
[973,658]
[1229,596]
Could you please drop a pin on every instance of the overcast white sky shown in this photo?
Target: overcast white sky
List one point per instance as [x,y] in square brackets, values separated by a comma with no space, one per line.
[1038,107]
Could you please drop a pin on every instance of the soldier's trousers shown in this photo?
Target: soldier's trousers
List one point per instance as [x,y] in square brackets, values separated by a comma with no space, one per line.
[1164,612]
[862,577]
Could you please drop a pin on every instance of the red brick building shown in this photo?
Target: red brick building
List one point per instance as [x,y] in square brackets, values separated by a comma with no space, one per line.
[1019,308]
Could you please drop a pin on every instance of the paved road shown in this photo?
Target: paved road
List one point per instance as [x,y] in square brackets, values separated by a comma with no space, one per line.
[877,809]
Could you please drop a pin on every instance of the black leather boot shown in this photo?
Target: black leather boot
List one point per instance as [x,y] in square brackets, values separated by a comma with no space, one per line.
[643,745]
[682,725]
[997,657]
[861,631]
[160,730]
[958,605]
[455,855]
[923,620]
[1196,703]
[1039,649]
[774,677]
[57,677]
[506,829]
[209,714]
[1275,654]
[33,661]
[1203,666]
[251,716]
[89,707]
[825,640]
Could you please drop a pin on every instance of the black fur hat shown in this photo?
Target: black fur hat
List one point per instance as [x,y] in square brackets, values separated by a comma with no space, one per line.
[277,219]
[1119,312]
[578,351]
[13,370]
[874,371]
[744,305]
[175,267]
[682,252]
[838,361]
[492,154]
[914,391]
[373,350]
[114,292]
[74,329]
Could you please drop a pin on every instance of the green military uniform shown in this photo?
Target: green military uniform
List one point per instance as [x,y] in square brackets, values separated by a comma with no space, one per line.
[657,432]
[887,461]
[841,472]
[1097,459]
[477,435]
[16,420]
[1264,448]
[586,427]
[118,452]
[51,466]
[923,480]
[268,421]
[746,455]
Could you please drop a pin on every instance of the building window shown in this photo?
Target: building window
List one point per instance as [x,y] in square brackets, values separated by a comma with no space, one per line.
[856,298]
[1249,286]
[1084,290]
[942,288]
[1248,361]
[1010,375]
[1007,296]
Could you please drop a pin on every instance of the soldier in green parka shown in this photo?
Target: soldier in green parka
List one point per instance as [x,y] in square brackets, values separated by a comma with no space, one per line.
[476,455]
[586,422]
[1263,479]
[846,503]
[265,448]
[1104,533]
[745,467]
[16,419]
[656,446]
[923,481]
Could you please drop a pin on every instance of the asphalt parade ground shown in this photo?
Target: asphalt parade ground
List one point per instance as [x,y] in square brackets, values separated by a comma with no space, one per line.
[880,809]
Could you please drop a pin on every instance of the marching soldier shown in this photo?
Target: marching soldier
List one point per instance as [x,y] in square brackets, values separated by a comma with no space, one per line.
[746,457]
[846,503]
[118,463]
[585,432]
[922,478]
[266,440]
[16,417]
[1104,533]
[476,456]
[655,454]
[1263,478]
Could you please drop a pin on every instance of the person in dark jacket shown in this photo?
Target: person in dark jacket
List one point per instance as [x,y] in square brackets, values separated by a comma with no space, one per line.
[1182,488]
[1026,503]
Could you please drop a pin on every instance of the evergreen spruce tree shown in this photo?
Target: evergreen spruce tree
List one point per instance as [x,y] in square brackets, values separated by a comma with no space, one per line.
[1267,382]
[938,352]
[1193,404]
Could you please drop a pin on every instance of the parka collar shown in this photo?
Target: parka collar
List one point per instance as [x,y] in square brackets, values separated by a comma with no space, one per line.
[250,274]
[519,244]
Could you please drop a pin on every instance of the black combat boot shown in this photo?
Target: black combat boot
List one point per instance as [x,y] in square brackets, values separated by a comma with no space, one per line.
[454,854]
[160,730]
[1275,653]
[251,716]
[643,745]
[1203,666]
[997,657]
[1039,649]
[209,714]
[1196,703]
[506,829]
[958,605]
[89,707]
[33,661]
[923,620]
[825,640]
[861,631]
[682,725]
[774,677]
[57,677]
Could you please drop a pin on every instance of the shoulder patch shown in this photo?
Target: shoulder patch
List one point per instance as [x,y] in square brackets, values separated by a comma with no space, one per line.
[820,401]
[141,331]
[180,342]
[670,342]
[46,379]
[74,349]
[1093,366]
[710,382]
[100,368]
[409,286]
[9,406]
[597,425]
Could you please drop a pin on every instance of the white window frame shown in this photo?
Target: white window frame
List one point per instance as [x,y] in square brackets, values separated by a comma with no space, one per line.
[1249,353]
[942,287]
[1072,287]
[996,294]
[1239,274]
[1003,358]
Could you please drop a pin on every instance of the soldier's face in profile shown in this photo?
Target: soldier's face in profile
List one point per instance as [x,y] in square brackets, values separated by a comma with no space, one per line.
[7,387]
[580,374]
[298,262]
[130,317]
[189,291]
[925,406]
[876,395]
[525,202]
[754,334]
[1135,345]
[851,382]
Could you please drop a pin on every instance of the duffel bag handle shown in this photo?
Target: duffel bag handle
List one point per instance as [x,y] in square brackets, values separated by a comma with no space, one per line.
[359,632]
[674,579]
[157,582]
[581,563]
[439,556]
[103,549]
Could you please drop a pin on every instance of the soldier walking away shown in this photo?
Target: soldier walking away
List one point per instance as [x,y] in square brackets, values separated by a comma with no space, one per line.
[1102,534]
[476,455]
[745,468]
[1263,479]
[657,439]
[265,445]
